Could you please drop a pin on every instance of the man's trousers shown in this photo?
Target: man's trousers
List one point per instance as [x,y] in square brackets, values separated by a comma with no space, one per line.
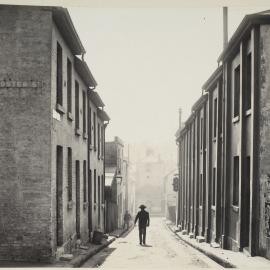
[142,234]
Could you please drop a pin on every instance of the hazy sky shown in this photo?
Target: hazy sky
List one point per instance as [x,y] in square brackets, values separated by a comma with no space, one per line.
[149,62]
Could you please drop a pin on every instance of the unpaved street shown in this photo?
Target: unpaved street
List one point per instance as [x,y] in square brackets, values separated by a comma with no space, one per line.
[163,250]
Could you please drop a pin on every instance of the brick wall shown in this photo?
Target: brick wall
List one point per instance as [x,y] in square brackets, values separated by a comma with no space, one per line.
[63,134]
[264,153]
[98,164]
[25,188]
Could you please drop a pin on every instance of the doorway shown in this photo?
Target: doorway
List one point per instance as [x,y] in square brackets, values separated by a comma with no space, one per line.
[78,198]
[59,195]
[246,205]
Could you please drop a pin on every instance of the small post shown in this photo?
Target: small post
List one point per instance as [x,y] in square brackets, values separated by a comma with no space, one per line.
[225,27]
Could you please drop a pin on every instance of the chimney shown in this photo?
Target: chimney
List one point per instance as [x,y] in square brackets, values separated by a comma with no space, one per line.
[180,116]
[225,27]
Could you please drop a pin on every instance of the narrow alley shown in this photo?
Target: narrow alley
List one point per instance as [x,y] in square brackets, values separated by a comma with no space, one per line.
[162,250]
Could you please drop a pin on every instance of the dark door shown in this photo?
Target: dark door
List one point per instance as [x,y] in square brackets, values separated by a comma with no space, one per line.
[78,198]
[59,196]
[246,205]
[99,201]
[90,204]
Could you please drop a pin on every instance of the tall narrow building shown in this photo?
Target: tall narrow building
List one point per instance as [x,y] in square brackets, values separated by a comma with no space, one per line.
[44,93]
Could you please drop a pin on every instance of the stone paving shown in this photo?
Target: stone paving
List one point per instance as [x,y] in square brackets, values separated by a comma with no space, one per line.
[163,250]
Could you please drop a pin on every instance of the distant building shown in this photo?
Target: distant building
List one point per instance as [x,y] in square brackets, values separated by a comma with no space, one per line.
[131,190]
[170,195]
[45,86]
[149,183]
[115,184]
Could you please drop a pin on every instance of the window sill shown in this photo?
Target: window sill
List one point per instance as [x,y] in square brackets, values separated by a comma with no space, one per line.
[78,132]
[213,207]
[59,108]
[69,116]
[248,112]
[235,208]
[235,119]
[85,135]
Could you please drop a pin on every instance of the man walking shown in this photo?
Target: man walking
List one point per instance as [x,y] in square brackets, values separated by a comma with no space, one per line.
[144,221]
[127,218]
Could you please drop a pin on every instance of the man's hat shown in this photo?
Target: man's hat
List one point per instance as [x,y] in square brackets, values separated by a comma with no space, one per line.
[142,206]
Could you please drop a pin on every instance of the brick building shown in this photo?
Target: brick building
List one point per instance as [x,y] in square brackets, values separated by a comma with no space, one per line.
[116,184]
[98,120]
[224,189]
[45,97]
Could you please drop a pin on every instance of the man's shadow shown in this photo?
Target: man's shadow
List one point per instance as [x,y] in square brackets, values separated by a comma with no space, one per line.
[147,245]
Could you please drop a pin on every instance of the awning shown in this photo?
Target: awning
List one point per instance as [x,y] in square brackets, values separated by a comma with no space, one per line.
[64,23]
[103,115]
[84,72]
[96,99]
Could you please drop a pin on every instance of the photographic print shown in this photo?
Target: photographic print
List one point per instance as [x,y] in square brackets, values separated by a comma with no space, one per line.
[135,134]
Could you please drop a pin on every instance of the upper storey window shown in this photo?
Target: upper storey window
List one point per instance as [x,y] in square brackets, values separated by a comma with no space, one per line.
[215,118]
[248,83]
[236,91]
[59,75]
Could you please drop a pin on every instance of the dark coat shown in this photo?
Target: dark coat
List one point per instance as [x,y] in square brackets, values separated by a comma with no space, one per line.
[143,217]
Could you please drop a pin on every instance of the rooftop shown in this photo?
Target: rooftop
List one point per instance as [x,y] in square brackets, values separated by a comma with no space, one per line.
[84,71]
[243,30]
[96,99]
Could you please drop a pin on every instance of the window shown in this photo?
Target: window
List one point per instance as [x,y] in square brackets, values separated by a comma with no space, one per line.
[201,133]
[102,188]
[248,83]
[90,126]
[77,112]
[99,190]
[90,186]
[214,187]
[102,140]
[84,112]
[95,131]
[236,181]
[69,86]
[69,174]
[59,76]
[236,91]
[84,182]
[98,140]
[215,117]
[95,186]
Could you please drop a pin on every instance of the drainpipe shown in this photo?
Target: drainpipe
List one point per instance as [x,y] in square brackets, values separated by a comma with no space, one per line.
[90,216]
